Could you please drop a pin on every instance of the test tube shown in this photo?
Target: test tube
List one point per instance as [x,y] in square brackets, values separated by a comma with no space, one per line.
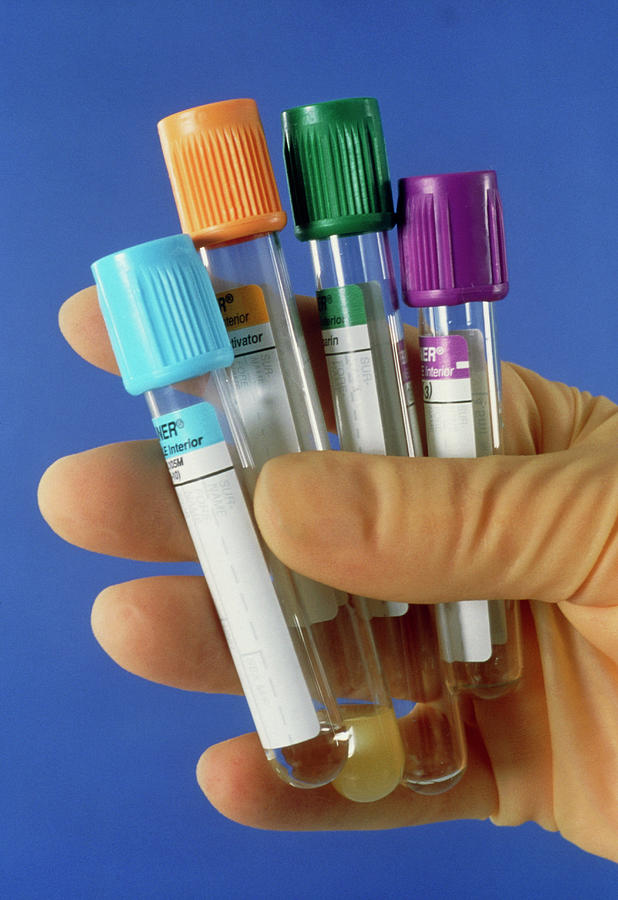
[342,203]
[453,268]
[228,202]
[167,334]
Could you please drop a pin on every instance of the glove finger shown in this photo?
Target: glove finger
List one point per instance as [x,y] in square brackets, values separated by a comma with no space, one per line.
[432,530]
[166,629]
[116,500]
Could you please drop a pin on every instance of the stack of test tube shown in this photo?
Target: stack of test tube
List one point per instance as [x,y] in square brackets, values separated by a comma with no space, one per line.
[347,691]
[453,267]
[228,202]
[167,332]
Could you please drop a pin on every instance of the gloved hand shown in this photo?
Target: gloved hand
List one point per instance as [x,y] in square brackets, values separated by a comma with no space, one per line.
[540,523]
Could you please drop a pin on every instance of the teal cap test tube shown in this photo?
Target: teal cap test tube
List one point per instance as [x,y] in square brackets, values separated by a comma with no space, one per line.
[170,340]
[167,333]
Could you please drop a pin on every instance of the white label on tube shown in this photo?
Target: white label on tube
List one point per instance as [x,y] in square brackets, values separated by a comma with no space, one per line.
[464,631]
[383,609]
[229,552]
[447,392]
[256,375]
[446,363]
[263,405]
[354,382]
[347,347]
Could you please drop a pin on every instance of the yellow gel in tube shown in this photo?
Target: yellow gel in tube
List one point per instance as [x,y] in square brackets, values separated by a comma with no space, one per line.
[365,777]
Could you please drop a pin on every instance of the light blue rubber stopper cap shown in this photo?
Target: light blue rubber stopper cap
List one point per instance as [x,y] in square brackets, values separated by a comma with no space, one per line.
[161,313]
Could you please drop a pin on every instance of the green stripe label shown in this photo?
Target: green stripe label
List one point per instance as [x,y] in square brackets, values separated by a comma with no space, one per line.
[341,307]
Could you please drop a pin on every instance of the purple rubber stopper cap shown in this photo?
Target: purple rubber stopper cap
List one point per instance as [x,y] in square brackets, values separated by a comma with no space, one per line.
[451,239]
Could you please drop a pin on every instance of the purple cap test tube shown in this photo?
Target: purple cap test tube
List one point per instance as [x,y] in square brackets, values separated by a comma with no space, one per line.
[453,266]
[451,239]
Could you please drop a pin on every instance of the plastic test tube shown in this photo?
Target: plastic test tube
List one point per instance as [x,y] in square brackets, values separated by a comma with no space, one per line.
[166,330]
[228,202]
[342,201]
[453,268]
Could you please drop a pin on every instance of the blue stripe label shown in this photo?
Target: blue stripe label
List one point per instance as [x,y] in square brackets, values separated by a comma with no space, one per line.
[188,429]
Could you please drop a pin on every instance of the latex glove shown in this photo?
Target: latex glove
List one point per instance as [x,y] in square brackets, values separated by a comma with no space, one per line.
[539,523]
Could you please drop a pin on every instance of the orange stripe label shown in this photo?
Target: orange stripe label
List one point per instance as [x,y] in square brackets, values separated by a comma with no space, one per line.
[243,307]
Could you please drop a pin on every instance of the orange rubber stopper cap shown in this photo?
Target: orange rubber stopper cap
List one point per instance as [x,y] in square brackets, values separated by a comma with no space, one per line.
[221,174]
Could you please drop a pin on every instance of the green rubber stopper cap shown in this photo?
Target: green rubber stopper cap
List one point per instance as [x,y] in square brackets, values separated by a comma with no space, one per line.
[337,169]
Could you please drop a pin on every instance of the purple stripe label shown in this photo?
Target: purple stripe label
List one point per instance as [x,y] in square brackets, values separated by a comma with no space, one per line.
[444,357]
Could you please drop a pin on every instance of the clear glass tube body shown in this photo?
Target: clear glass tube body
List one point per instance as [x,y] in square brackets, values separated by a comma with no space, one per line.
[270,398]
[372,395]
[460,368]
[271,642]
[358,307]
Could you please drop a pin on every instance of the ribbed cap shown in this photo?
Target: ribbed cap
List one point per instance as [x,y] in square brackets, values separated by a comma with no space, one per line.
[161,313]
[220,170]
[337,169]
[451,239]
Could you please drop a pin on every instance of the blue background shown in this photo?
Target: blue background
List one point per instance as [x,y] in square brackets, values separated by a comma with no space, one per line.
[97,784]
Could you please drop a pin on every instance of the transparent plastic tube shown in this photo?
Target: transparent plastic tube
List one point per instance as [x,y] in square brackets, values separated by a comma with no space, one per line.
[373,400]
[272,645]
[463,416]
[364,345]
[269,393]
[166,330]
